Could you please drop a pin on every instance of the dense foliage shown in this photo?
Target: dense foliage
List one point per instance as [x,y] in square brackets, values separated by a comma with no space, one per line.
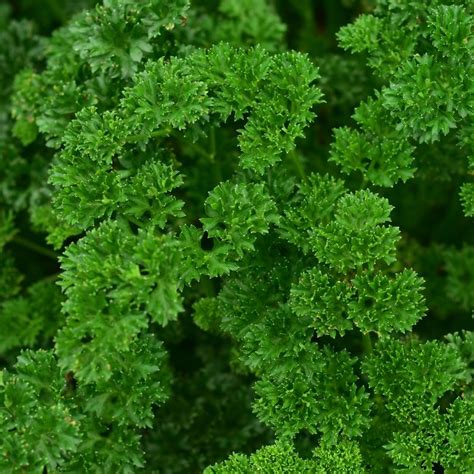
[236,236]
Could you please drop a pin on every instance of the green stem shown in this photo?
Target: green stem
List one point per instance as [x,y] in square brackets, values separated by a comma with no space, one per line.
[367,343]
[139,138]
[135,221]
[298,165]
[364,182]
[35,247]
[50,278]
[212,139]
[200,150]
[212,155]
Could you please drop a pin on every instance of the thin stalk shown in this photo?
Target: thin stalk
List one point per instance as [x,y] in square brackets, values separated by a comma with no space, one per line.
[201,151]
[142,137]
[367,343]
[212,146]
[298,165]
[50,278]
[35,247]
[135,221]
[212,155]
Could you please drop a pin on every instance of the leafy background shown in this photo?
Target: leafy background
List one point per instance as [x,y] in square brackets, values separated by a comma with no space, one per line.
[208,414]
